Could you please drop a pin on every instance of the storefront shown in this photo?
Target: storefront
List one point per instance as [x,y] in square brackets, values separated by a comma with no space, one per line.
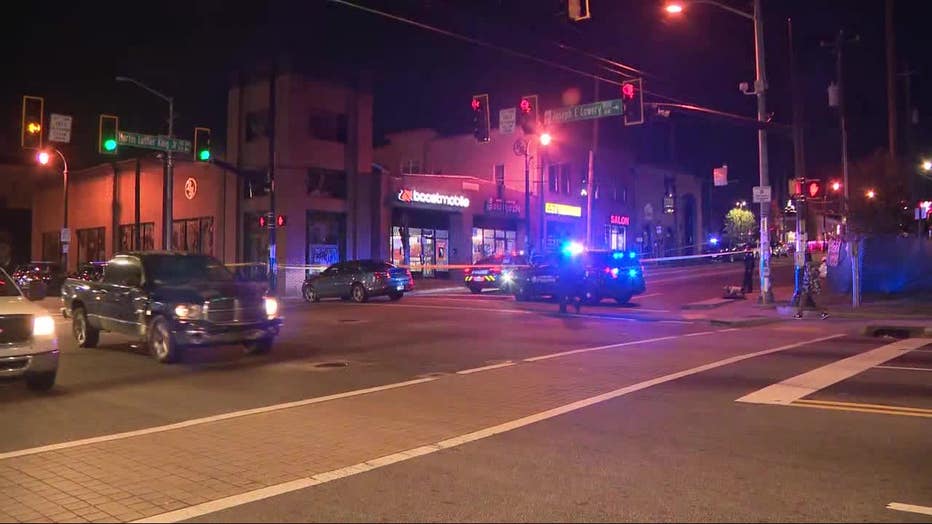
[562,223]
[420,236]
[495,231]
[616,232]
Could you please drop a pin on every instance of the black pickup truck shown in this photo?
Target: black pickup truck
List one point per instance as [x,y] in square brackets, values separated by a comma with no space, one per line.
[171,301]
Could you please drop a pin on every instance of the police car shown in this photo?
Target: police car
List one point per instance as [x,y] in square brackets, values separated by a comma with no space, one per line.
[609,274]
[494,272]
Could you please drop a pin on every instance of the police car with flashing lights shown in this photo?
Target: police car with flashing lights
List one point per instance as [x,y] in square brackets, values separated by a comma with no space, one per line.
[609,274]
[494,272]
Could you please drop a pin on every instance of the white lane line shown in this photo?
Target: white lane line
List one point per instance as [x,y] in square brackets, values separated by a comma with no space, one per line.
[912,508]
[795,388]
[369,465]
[610,346]
[649,295]
[485,368]
[213,418]
[907,368]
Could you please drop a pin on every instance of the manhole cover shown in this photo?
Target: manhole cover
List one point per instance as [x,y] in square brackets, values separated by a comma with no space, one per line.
[349,320]
[331,364]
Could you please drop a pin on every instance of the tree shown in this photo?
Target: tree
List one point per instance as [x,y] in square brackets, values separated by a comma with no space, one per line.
[740,224]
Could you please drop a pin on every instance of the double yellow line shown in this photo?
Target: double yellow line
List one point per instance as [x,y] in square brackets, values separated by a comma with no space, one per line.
[864,408]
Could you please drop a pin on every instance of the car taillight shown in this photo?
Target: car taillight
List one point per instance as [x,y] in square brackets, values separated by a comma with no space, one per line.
[468,270]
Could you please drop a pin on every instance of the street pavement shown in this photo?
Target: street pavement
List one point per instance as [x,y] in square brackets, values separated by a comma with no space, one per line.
[457,407]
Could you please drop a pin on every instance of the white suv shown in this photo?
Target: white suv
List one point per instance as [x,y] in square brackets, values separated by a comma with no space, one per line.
[28,346]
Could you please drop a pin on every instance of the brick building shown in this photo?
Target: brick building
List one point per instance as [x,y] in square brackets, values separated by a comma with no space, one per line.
[102,211]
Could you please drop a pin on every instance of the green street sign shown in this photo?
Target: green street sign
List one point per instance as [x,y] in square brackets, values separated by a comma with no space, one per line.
[160,143]
[591,111]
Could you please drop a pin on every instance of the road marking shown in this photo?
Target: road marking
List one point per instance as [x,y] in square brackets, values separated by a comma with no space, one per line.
[485,368]
[865,408]
[461,308]
[610,346]
[904,367]
[649,295]
[795,388]
[369,465]
[212,418]
[912,508]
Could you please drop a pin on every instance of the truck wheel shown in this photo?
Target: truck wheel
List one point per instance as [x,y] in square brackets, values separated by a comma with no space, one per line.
[475,290]
[623,299]
[521,295]
[40,381]
[259,347]
[359,294]
[161,344]
[84,334]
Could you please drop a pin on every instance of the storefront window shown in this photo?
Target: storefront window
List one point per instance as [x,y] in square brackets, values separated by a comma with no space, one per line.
[91,245]
[194,235]
[492,242]
[128,236]
[428,249]
[616,237]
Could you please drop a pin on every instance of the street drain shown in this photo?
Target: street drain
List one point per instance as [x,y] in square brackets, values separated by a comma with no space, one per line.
[331,365]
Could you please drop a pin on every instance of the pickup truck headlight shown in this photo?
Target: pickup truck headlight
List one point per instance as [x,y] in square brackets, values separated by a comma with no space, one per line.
[271,307]
[43,326]
[189,311]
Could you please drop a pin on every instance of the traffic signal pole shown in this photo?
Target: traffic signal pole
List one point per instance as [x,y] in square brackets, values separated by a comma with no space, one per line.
[760,87]
[273,268]
[167,193]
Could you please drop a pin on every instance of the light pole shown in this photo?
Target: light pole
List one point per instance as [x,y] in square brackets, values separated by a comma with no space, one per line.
[167,186]
[43,157]
[760,87]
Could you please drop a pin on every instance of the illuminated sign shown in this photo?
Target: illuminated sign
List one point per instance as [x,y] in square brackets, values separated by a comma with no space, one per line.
[500,206]
[410,196]
[620,220]
[552,208]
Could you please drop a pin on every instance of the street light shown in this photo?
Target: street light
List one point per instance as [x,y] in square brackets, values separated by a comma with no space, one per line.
[871,194]
[760,87]
[44,157]
[836,186]
[927,165]
[545,139]
[169,162]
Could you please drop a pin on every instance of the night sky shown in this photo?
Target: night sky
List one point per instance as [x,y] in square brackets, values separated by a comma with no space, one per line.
[70,52]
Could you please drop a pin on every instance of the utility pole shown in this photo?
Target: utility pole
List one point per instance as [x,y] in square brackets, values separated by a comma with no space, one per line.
[891,78]
[167,195]
[838,47]
[273,268]
[527,199]
[760,88]
[137,236]
[799,166]
[591,172]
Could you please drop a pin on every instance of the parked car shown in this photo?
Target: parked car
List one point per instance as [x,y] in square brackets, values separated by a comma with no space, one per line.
[358,280]
[172,301]
[609,274]
[28,346]
[49,273]
[90,272]
[494,272]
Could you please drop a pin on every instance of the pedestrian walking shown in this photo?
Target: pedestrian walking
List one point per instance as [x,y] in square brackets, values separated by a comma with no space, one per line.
[748,285]
[571,282]
[809,288]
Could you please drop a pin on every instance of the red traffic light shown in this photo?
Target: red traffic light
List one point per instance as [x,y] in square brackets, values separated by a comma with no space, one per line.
[814,189]
[525,105]
[627,91]
[280,221]
[263,221]
[476,104]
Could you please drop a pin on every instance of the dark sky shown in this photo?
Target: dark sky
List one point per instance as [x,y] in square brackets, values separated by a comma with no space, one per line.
[70,52]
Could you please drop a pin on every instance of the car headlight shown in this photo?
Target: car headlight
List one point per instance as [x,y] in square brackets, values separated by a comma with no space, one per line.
[189,311]
[43,326]
[508,277]
[271,307]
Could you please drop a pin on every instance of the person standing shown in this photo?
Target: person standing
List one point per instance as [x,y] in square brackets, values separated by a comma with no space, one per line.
[571,281]
[809,288]
[748,285]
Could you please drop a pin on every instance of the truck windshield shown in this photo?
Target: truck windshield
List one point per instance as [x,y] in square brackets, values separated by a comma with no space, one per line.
[7,287]
[175,269]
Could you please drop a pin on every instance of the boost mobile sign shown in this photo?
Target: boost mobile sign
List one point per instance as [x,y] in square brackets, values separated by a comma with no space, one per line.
[409,196]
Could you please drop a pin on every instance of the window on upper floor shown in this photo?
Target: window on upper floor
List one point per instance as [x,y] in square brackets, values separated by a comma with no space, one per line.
[553,178]
[323,124]
[257,123]
[326,182]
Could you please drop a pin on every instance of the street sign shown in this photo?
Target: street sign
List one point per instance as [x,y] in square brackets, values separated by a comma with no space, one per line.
[761,194]
[60,128]
[720,176]
[65,235]
[506,120]
[834,252]
[591,111]
[161,143]
[668,205]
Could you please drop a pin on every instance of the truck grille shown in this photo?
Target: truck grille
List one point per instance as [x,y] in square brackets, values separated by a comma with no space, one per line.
[228,310]
[15,328]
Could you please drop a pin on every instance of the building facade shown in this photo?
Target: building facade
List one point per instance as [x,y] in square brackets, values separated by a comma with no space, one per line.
[324,184]
[102,204]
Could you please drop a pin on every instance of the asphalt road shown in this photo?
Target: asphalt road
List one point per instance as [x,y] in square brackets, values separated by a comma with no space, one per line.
[668,443]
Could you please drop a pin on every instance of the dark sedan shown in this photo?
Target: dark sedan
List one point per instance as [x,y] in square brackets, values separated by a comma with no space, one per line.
[358,280]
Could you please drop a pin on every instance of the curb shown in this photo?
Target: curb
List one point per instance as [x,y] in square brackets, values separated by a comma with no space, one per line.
[744,322]
[711,303]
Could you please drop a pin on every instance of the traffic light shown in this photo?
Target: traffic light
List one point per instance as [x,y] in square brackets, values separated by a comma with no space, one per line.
[33,111]
[528,116]
[578,10]
[796,187]
[480,119]
[632,101]
[813,189]
[108,129]
[263,221]
[280,221]
[202,144]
